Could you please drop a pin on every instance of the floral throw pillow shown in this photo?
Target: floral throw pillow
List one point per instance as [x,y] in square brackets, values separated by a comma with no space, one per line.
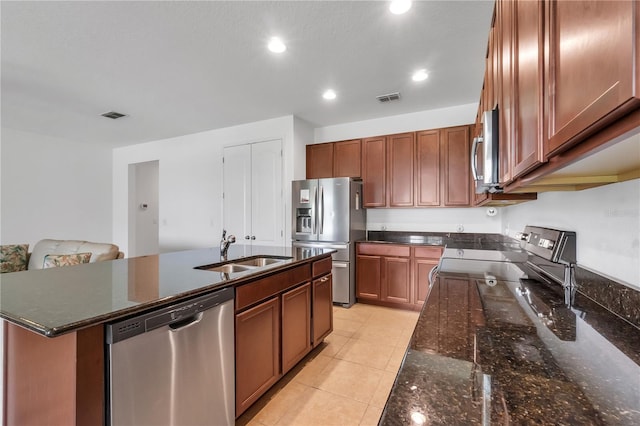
[55,260]
[13,257]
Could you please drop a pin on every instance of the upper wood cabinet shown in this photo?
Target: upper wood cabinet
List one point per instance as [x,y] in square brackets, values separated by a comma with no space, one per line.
[428,168]
[592,67]
[504,26]
[527,60]
[455,167]
[334,159]
[374,172]
[400,162]
[346,159]
[320,161]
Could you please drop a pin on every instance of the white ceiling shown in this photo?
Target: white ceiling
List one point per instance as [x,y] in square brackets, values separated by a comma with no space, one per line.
[184,67]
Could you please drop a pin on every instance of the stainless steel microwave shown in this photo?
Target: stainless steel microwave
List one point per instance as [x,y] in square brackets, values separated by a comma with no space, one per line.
[484,155]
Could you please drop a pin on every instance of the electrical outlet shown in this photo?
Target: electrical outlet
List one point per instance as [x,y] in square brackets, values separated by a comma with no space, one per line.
[459,228]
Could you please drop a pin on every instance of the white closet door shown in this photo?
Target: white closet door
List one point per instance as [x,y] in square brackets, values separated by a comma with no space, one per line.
[236,215]
[267,204]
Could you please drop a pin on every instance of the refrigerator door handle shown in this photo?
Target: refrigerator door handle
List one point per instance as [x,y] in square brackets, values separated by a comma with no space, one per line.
[314,222]
[321,211]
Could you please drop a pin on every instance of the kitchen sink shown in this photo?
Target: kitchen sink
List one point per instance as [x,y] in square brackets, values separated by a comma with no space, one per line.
[230,268]
[259,261]
[255,263]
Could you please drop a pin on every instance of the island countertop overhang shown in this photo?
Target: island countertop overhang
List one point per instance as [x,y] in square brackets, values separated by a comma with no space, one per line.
[57,301]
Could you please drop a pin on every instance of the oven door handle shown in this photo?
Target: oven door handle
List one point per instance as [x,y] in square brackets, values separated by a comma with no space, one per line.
[432,274]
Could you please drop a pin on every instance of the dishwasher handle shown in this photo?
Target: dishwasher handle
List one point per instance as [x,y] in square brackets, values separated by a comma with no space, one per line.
[186,322]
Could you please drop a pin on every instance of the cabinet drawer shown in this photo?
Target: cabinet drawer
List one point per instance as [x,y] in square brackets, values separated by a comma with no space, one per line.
[384,250]
[321,267]
[428,252]
[261,289]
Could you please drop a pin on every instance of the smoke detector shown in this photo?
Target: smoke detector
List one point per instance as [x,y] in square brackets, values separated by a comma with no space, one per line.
[395,96]
[113,115]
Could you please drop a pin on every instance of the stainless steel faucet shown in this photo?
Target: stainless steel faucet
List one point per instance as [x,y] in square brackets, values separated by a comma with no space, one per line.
[225,243]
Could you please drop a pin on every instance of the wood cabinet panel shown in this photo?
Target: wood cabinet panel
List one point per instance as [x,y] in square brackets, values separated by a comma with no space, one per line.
[396,280]
[322,308]
[428,168]
[264,288]
[591,68]
[505,24]
[400,160]
[384,249]
[257,352]
[374,169]
[320,160]
[456,151]
[527,144]
[296,325]
[54,380]
[346,158]
[321,267]
[368,277]
[421,273]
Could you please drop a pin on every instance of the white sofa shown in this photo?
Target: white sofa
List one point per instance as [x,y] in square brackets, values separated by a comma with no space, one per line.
[99,251]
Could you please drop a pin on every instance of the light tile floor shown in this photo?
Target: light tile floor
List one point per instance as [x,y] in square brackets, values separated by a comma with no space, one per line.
[347,379]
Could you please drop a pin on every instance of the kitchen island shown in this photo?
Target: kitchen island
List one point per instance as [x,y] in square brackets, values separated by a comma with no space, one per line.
[54,346]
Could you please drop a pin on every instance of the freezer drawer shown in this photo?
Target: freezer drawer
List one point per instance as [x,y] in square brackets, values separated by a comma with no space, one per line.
[344,292]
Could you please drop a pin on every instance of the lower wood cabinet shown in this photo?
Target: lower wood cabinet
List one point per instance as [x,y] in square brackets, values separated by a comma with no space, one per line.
[257,352]
[394,275]
[322,309]
[296,325]
[279,320]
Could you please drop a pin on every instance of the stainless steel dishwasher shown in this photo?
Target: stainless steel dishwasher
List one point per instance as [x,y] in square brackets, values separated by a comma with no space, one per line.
[174,366]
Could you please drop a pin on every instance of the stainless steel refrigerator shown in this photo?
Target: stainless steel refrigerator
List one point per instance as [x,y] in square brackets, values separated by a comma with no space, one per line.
[328,213]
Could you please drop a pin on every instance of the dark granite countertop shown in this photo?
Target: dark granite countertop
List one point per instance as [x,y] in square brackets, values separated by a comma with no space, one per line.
[60,300]
[513,352]
[477,241]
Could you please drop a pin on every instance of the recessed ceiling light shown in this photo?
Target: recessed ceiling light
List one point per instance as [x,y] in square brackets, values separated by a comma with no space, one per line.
[398,7]
[420,75]
[276,45]
[329,94]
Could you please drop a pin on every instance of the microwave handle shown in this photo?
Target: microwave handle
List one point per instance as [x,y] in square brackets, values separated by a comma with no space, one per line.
[474,158]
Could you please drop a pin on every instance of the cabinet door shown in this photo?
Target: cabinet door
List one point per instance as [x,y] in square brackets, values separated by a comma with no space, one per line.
[396,280]
[527,144]
[346,159]
[456,165]
[592,67]
[400,160]
[296,325]
[257,352]
[374,172]
[236,198]
[267,214]
[504,24]
[320,161]
[421,273]
[428,168]
[368,277]
[322,308]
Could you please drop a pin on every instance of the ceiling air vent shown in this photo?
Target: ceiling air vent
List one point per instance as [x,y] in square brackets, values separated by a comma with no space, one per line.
[395,96]
[113,115]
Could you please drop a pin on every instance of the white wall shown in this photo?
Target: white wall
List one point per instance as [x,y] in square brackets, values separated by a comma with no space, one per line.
[54,188]
[423,120]
[191,181]
[606,220]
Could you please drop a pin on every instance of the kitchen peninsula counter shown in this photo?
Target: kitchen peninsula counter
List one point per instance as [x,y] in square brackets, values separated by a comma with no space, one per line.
[52,302]
[511,352]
